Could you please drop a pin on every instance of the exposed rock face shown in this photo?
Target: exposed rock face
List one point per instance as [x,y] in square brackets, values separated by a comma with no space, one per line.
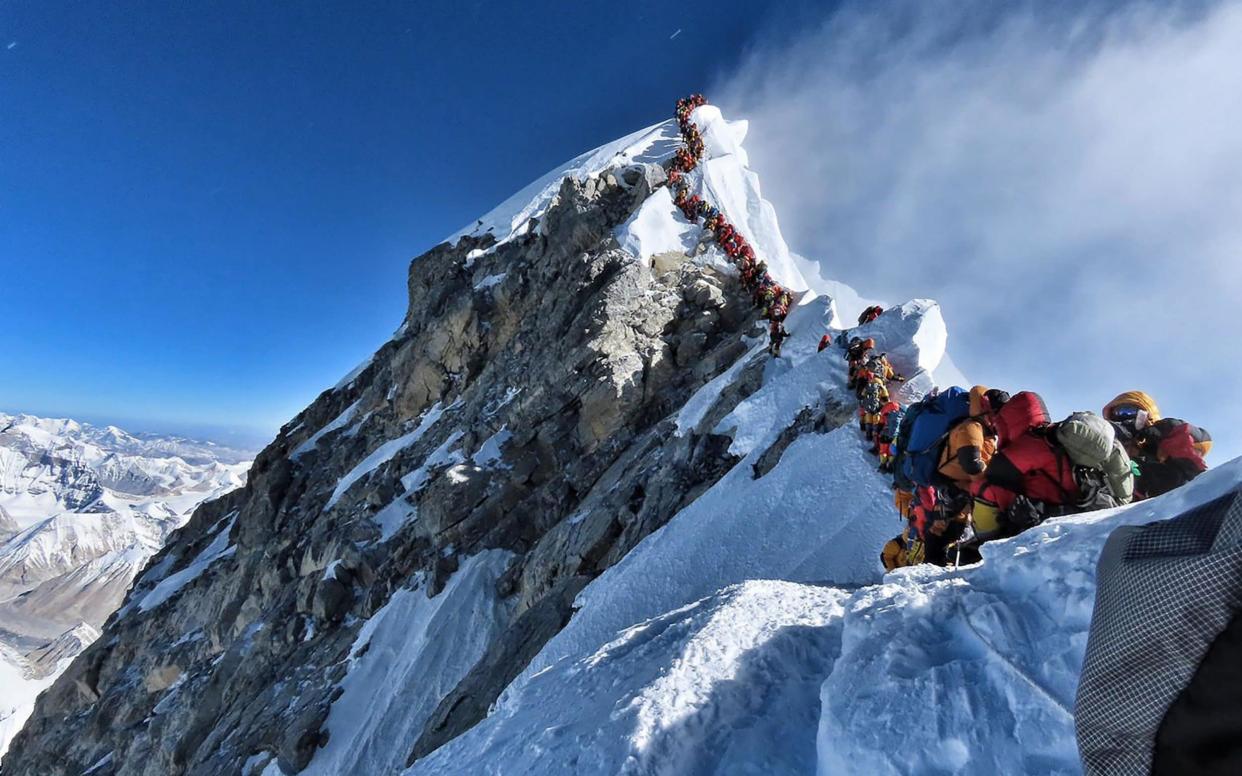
[524,406]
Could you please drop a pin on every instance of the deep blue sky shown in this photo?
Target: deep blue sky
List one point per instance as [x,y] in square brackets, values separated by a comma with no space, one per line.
[207,209]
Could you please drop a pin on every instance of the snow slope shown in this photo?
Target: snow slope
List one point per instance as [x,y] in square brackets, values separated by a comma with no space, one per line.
[756,633]
[509,218]
[706,688]
[409,655]
[970,671]
[18,690]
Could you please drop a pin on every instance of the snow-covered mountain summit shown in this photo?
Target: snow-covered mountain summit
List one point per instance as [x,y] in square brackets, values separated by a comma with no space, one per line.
[73,494]
[574,519]
[82,508]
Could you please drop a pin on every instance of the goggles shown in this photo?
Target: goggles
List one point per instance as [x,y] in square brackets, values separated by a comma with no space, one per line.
[1130,415]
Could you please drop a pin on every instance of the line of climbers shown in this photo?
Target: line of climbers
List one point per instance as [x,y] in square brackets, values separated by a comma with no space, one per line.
[968,466]
[971,466]
[773,300]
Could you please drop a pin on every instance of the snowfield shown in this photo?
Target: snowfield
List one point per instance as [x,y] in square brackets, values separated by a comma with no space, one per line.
[753,634]
[82,509]
[969,671]
[756,633]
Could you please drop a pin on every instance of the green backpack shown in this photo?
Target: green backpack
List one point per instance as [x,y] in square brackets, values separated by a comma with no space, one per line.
[1091,442]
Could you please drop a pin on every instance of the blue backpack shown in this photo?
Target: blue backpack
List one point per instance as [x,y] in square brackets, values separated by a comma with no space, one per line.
[893,423]
[937,414]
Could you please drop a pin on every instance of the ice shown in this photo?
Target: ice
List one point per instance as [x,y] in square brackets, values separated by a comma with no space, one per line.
[103,762]
[337,423]
[407,657]
[489,452]
[349,378]
[725,180]
[913,335]
[712,687]
[441,456]
[385,453]
[391,518]
[489,281]
[218,549]
[658,227]
[653,144]
[17,693]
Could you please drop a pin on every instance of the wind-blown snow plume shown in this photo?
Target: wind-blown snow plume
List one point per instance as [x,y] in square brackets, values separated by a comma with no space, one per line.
[1035,174]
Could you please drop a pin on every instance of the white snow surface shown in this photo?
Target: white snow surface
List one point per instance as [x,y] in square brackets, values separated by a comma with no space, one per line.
[385,453]
[407,657]
[658,227]
[725,179]
[653,144]
[913,335]
[339,422]
[755,633]
[352,374]
[18,691]
[166,588]
[490,452]
[706,688]
[489,281]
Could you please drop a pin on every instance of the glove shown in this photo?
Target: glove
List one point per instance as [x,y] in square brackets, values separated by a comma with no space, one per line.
[1024,514]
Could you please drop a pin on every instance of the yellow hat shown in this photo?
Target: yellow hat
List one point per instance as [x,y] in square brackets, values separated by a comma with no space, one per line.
[1135,399]
[978,402]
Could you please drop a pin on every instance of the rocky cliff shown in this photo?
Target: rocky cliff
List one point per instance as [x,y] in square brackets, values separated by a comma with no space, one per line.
[520,426]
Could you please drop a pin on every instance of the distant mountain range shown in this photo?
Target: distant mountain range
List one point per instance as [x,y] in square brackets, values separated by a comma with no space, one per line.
[82,508]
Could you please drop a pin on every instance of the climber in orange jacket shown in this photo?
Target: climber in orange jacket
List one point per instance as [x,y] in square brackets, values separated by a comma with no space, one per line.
[883,438]
[1168,452]
[972,442]
[872,396]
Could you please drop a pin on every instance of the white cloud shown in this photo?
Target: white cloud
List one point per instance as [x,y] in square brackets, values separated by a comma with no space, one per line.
[1069,188]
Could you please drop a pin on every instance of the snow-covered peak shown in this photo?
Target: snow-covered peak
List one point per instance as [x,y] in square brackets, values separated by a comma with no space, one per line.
[577,520]
[82,509]
[47,659]
[91,442]
[655,144]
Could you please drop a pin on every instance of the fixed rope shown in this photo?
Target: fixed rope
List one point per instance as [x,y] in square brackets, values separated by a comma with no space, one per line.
[770,297]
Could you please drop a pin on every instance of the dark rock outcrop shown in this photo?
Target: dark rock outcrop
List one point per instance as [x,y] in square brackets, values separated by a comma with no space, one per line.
[525,405]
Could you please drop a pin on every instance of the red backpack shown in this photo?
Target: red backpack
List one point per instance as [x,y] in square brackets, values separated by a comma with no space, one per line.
[1023,412]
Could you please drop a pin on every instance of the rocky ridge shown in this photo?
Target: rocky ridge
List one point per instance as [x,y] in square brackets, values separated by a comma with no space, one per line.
[525,405]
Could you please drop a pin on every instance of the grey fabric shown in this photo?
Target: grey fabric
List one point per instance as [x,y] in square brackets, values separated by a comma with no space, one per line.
[1087,438]
[1164,592]
[1120,476]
